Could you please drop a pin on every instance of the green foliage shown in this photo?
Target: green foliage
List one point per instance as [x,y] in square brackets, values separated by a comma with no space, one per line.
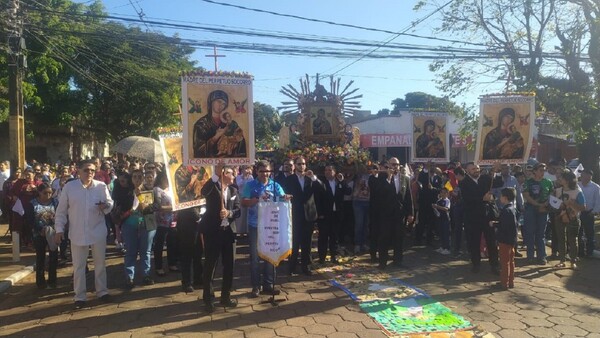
[267,124]
[88,72]
[383,112]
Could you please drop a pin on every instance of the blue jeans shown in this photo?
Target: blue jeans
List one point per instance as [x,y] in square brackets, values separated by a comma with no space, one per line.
[137,240]
[534,230]
[268,270]
[361,219]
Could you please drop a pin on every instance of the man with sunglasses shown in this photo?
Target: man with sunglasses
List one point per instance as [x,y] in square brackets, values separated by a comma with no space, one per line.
[83,203]
[222,208]
[265,189]
[396,210]
[304,213]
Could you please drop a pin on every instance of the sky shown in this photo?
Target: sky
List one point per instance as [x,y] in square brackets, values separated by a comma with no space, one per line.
[379,80]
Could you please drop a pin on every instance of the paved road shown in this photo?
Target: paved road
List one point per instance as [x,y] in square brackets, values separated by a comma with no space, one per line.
[546,302]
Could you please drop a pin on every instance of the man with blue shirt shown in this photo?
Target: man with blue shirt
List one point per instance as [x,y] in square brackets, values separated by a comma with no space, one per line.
[265,189]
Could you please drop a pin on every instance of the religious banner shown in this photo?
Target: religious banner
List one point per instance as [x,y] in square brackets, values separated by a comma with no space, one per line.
[505,129]
[185,181]
[218,123]
[385,140]
[274,231]
[430,137]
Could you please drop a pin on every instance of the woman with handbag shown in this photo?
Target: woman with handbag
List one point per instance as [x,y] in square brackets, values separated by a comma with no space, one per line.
[567,220]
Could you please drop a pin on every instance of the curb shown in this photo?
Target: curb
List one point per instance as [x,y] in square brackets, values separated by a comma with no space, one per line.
[15,278]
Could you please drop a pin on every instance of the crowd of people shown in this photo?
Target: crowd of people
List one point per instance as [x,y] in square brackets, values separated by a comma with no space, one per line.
[461,209]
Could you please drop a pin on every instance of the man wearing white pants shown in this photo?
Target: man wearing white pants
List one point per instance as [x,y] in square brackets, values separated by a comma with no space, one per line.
[83,203]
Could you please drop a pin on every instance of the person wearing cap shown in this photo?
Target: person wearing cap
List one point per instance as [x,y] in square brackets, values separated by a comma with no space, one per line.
[536,191]
[591,191]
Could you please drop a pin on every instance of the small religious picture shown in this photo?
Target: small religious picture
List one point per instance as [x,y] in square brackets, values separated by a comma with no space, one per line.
[321,120]
[146,197]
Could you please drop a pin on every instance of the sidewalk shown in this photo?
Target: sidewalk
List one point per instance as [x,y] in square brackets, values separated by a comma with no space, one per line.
[546,302]
[12,272]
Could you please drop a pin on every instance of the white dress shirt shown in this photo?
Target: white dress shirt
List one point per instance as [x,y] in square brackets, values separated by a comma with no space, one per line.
[4,175]
[78,207]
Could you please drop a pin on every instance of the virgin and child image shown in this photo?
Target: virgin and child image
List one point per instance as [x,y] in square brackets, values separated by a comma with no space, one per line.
[428,144]
[504,141]
[216,134]
[321,126]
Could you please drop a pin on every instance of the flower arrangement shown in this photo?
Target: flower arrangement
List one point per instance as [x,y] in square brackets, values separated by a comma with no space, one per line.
[317,155]
[509,94]
[222,73]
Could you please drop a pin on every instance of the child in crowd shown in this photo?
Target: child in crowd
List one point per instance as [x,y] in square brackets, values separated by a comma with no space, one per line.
[441,209]
[506,235]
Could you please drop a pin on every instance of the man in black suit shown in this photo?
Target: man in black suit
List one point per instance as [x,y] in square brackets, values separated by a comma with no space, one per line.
[374,212]
[395,210]
[329,197]
[301,186]
[476,192]
[222,208]
[286,171]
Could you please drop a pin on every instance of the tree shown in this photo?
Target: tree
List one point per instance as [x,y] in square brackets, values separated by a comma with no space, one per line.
[267,124]
[383,112]
[520,37]
[91,73]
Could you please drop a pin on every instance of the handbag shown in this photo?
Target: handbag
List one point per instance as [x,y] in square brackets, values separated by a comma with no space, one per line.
[117,216]
[310,209]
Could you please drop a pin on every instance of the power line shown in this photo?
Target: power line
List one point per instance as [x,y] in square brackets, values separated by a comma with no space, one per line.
[414,24]
[341,24]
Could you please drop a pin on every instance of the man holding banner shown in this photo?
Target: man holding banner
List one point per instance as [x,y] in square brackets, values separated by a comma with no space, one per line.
[263,188]
[222,208]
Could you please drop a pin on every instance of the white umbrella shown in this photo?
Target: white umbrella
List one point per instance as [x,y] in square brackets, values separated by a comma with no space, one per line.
[141,147]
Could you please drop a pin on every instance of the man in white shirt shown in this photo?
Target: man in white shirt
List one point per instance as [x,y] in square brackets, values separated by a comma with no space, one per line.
[591,191]
[83,204]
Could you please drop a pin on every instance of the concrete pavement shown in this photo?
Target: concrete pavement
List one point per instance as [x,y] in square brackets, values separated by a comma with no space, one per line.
[546,302]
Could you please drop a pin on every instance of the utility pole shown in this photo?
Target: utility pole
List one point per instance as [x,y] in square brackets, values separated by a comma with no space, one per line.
[16,122]
[16,65]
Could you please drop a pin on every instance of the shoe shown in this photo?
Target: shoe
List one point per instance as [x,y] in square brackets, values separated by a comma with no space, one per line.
[306,271]
[129,284]
[334,260]
[254,293]
[475,269]
[79,304]
[228,302]
[187,288]
[42,286]
[560,265]
[321,260]
[160,273]
[381,266]
[445,252]
[148,280]
[542,261]
[209,306]
[105,298]
[518,254]
[174,268]
[51,285]
[574,266]
[511,286]
[499,287]
[270,292]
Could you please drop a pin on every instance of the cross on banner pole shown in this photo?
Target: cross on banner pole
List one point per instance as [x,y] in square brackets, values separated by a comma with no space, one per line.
[215,56]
